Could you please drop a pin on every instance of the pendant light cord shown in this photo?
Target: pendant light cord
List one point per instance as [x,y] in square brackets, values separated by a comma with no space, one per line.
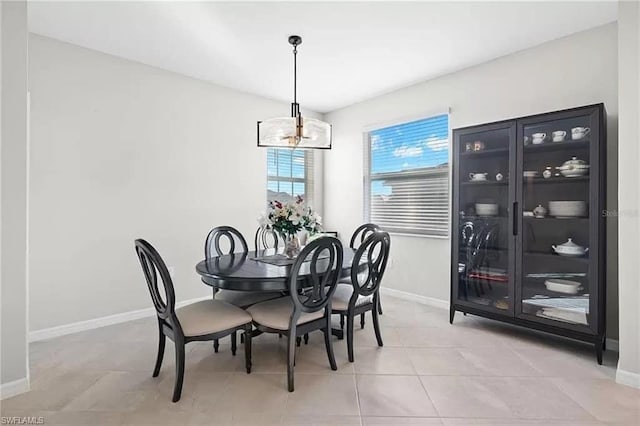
[295,73]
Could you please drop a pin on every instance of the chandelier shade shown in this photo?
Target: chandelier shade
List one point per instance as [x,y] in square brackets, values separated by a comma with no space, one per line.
[294,131]
[282,132]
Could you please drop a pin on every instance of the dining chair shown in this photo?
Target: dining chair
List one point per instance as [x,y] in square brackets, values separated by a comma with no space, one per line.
[214,246]
[359,235]
[308,307]
[363,292]
[266,238]
[204,320]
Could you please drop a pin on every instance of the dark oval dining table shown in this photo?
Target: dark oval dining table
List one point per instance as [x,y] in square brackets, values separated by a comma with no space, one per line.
[242,272]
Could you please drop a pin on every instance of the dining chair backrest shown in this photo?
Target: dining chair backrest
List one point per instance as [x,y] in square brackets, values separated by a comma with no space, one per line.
[361,233]
[155,270]
[212,247]
[266,238]
[321,260]
[369,264]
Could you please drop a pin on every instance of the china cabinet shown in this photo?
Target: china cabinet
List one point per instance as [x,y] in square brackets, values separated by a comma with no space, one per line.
[528,222]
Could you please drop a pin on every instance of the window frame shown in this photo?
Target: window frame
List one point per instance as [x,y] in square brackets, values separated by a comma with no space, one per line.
[367,175]
[307,180]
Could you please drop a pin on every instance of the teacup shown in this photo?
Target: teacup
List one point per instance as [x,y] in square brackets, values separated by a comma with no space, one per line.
[538,138]
[558,135]
[579,132]
[478,176]
[478,146]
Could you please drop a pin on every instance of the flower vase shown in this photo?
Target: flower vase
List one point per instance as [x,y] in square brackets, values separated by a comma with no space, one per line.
[291,245]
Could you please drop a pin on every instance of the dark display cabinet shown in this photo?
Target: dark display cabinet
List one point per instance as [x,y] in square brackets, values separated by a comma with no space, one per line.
[528,234]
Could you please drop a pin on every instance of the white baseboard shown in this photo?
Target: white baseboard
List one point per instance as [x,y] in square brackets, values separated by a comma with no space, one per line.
[628,378]
[61,330]
[7,390]
[431,301]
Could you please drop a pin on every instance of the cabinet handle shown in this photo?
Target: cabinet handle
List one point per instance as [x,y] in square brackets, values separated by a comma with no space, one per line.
[514,213]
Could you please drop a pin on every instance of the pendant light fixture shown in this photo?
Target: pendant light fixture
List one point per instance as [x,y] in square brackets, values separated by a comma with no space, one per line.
[294,131]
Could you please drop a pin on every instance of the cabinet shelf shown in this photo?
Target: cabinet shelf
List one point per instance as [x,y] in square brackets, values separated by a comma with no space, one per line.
[485,183]
[485,152]
[553,146]
[550,256]
[551,219]
[541,180]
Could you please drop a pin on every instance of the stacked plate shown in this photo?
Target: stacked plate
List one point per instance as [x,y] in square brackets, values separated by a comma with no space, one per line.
[564,209]
[486,209]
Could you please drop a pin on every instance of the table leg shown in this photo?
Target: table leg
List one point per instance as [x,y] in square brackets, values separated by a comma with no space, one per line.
[338,333]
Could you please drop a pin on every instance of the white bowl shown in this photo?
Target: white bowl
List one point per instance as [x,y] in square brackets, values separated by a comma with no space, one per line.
[486,209]
[562,286]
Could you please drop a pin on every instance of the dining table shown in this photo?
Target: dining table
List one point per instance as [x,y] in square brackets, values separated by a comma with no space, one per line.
[260,271]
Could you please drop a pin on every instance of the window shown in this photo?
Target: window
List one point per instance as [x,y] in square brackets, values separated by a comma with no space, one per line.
[289,173]
[407,177]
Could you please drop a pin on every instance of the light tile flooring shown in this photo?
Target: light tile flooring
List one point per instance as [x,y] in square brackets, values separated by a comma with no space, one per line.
[475,371]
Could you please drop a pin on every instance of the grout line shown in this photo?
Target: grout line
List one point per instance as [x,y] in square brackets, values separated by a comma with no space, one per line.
[433,404]
[355,383]
[568,395]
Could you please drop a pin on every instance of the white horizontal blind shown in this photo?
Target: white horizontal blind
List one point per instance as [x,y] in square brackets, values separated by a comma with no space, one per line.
[407,177]
[289,173]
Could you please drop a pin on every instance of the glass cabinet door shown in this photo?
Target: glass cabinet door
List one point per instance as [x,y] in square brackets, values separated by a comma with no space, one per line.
[483,243]
[558,192]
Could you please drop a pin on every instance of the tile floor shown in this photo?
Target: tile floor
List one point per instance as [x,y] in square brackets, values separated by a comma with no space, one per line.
[475,371]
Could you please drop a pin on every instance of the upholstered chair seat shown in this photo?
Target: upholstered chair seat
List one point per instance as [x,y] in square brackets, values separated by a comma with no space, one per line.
[342,296]
[210,316]
[276,314]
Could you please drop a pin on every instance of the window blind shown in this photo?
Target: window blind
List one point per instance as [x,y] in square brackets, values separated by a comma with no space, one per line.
[407,177]
[289,174]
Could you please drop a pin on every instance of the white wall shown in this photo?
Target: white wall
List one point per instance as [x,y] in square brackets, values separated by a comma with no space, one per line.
[119,151]
[573,71]
[629,204]
[14,369]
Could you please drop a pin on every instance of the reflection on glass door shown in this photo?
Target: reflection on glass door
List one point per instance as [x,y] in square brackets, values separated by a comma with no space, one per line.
[484,217]
[555,281]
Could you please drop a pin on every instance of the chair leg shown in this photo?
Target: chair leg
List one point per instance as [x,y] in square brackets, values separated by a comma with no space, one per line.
[161,343]
[247,348]
[362,320]
[298,341]
[376,326]
[177,390]
[350,320]
[306,338]
[329,345]
[291,355]
[234,346]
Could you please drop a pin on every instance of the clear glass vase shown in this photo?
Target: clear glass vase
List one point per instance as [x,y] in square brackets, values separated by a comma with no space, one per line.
[291,245]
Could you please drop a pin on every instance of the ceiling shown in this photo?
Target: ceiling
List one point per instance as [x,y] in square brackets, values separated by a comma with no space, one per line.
[350,51]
